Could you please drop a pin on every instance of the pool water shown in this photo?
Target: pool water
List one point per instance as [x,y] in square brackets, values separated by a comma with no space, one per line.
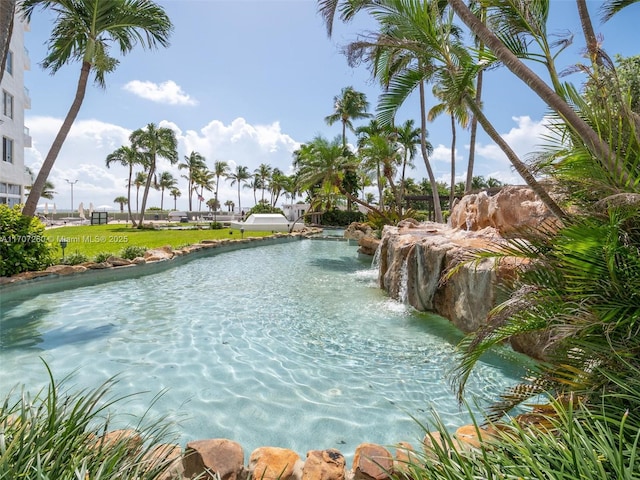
[290,345]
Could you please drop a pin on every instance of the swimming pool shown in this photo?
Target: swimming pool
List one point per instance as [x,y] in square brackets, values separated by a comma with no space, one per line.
[290,345]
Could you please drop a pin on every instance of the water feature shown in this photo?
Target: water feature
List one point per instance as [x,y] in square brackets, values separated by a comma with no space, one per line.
[289,345]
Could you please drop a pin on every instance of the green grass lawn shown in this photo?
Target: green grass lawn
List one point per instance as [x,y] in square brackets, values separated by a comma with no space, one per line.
[90,240]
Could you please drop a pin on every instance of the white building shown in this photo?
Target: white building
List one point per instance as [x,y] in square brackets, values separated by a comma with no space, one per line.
[14,134]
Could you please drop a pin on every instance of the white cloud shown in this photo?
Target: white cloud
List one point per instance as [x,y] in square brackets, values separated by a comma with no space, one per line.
[168,92]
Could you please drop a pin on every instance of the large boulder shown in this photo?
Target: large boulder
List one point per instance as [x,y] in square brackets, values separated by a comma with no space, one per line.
[215,459]
[511,209]
[372,462]
[324,465]
[274,463]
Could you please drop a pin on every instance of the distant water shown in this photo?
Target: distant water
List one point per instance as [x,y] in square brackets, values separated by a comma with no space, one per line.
[290,345]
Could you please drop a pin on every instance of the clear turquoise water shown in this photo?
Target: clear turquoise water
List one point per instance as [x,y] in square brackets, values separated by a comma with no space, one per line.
[289,345]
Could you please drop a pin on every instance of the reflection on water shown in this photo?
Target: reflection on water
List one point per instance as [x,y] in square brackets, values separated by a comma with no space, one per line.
[290,345]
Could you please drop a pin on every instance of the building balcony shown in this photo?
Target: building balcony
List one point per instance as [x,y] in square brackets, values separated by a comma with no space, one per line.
[27,138]
[27,60]
[27,99]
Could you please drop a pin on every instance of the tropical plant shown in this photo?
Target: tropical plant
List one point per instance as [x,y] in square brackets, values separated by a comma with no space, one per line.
[238,177]
[133,251]
[165,181]
[154,142]
[175,193]
[220,169]
[139,180]
[60,433]
[230,205]
[122,201]
[83,31]
[263,173]
[7,10]
[47,190]
[128,156]
[349,105]
[204,180]
[23,244]
[193,163]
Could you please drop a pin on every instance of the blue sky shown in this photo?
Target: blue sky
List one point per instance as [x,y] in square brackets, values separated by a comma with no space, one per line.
[247,81]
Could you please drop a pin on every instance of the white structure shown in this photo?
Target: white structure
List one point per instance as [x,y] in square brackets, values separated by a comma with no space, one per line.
[14,134]
[294,211]
[267,222]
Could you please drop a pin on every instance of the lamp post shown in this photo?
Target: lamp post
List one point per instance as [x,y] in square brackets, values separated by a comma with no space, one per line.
[241,232]
[63,245]
[72,184]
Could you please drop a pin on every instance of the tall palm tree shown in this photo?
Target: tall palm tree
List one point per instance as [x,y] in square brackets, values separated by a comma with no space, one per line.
[139,180]
[220,169]
[408,137]
[263,172]
[194,162]
[349,105]
[230,205]
[582,129]
[165,181]
[84,30]
[127,156]
[203,180]
[122,201]
[154,142]
[240,176]
[175,193]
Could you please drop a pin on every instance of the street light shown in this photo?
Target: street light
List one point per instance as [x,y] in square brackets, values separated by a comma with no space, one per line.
[241,232]
[72,184]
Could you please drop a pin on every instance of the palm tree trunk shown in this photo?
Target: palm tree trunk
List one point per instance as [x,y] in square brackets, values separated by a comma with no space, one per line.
[147,187]
[453,162]
[364,204]
[520,167]
[437,210]
[36,189]
[239,204]
[190,186]
[7,11]
[590,137]
[162,199]
[133,222]
[473,135]
[589,35]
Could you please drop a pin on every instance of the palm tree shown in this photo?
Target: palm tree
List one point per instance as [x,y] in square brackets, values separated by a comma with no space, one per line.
[139,180]
[240,176]
[263,172]
[122,201]
[349,105]
[175,193]
[84,30]
[204,180]
[220,169]
[47,191]
[408,137]
[322,165]
[192,163]
[213,205]
[230,205]
[165,181]
[128,156]
[154,142]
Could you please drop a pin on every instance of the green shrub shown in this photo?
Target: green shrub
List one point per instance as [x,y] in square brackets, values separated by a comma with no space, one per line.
[133,251]
[340,218]
[102,257]
[263,208]
[23,244]
[75,259]
[216,225]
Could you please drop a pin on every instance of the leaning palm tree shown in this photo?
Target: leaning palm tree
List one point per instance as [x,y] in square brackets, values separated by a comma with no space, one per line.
[128,156]
[240,176]
[84,30]
[122,201]
[408,138]
[204,181]
[154,142]
[349,105]
[263,172]
[139,180]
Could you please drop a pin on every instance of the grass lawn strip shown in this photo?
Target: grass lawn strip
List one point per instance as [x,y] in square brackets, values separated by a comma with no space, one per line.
[91,240]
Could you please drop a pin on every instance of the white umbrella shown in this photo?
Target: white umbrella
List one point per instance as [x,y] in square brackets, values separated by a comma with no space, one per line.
[90,208]
[81,210]
[54,208]
[46,208]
